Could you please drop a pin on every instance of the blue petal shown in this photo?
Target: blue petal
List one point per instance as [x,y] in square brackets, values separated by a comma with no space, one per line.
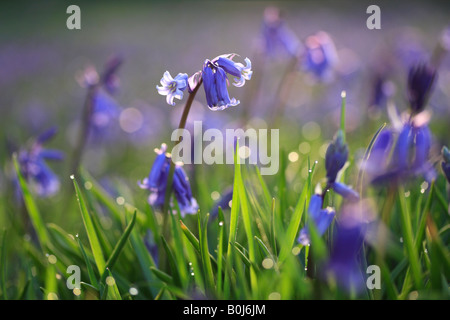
[229,66]
[401,152]
[345,191]
[423,144]
[210,86]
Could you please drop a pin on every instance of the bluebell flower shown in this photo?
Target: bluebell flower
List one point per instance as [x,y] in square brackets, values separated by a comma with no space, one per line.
[156,182]
[335,159]
[350,232]
[104,113]
[109,78]
[446,163]
[321,218]
[223,202]
[43,181]
[173,87]
[421,79]
[320,55]
[215,81]
[409,156]
[277,35]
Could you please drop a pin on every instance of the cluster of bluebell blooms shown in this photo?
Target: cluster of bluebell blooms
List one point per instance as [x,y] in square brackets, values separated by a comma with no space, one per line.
[34,168]
[157,180]
[335,159]
[409,155]
[317,55]
[214,76]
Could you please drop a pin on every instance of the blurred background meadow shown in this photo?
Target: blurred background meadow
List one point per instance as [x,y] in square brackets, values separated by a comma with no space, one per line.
[45,71]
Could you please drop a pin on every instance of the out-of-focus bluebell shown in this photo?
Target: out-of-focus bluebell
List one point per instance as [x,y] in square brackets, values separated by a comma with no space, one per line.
[105,113]
[344,265]
[104,109]
[320,56]
[446,163]
[43,181]
[335,159]
[382,89]
[173,87]
[321,218]
[421,79]
[156,182]
[223,202]
[152,247]
[277,36]
[409,156]
[379,155]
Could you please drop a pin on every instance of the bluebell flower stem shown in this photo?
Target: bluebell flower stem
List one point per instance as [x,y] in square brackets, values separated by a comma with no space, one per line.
[284,87]
[84,129]
[182,125]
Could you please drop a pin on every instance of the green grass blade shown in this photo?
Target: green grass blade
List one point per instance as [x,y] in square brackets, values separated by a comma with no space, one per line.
[90,230]
[92,277]
[206,261]
[172,262]
[414,262]
[164,277]
[3,266]
[121,243]
[32,209]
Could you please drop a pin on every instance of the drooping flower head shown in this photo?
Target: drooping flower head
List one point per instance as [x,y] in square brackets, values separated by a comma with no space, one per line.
[277,35]
[34,168]
[156,182]
[446,163]
[336,156]
[214,76]
[421,79]
[321,218]
[173,87]
[215,80]
[320,55]
[409,156]
[335,159]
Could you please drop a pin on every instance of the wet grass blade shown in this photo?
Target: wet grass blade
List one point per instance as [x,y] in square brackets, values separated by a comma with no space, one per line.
[92,277]
[294,225]
[204,251]
[90,230]
[413,258]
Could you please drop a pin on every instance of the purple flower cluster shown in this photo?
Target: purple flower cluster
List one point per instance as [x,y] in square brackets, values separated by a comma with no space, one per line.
[156,182]
[34,168]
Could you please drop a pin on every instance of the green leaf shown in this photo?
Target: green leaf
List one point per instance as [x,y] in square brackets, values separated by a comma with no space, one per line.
[32,208]
[294,225]
[3,266]
[91,273]
[90,230]
[204,251]
[172,262]
[164,277]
